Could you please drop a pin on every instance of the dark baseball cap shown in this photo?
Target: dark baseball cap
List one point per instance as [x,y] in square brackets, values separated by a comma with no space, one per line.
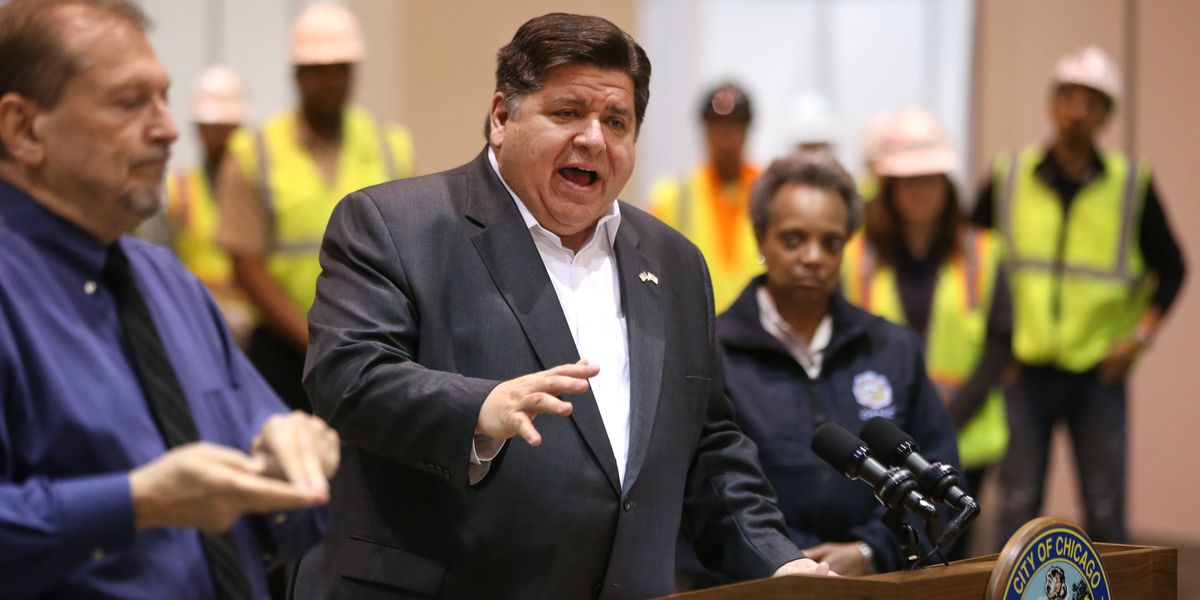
[726,101]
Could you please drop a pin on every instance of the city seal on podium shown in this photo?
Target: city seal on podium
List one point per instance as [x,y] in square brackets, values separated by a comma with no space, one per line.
[1049,559]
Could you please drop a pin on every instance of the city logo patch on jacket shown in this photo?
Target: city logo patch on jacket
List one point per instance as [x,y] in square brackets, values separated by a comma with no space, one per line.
[873,392]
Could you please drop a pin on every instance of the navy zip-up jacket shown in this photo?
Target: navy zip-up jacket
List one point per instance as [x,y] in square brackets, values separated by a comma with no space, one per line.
[871,368]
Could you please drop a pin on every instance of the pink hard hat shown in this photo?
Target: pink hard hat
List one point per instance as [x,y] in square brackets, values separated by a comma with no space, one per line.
[915,144]
[219,97]
[1090,67]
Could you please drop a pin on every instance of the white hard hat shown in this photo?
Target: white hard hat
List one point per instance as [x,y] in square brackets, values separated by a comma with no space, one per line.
[810,120]
[219,97]
[1090,67]
[916,144]
[326,34]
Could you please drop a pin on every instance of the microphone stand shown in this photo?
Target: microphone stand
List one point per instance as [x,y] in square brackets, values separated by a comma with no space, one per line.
[897,484]
[906,536]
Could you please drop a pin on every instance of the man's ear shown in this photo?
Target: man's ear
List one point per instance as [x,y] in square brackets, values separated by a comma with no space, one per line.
[498,119]
[17,131]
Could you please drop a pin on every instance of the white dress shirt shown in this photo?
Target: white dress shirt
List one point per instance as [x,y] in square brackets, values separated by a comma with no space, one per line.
[809,353]
[589,291]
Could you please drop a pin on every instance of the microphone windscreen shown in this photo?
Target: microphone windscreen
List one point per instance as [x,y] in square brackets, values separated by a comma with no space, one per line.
[837,447]
[884,439]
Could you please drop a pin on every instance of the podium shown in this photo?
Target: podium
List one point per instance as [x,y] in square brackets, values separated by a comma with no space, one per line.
[1134,572]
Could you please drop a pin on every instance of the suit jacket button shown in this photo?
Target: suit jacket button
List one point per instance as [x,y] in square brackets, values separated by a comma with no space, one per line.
[628,505]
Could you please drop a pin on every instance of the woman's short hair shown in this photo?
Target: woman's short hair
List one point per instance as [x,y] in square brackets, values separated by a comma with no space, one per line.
[818,169]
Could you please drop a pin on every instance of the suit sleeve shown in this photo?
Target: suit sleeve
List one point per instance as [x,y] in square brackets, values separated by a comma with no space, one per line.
[730,510]
[361,373]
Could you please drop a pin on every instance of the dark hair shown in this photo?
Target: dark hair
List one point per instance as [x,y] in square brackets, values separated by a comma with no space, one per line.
[883,223]
[36,60]
[812,168]
[559,39]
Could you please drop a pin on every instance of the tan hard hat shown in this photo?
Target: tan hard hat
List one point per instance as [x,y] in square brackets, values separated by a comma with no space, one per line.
[916,144]
[874,135]
[1090,67]
[326,34]
[219,97]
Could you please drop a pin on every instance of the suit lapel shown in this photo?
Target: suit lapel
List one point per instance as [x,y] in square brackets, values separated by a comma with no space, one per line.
[644,321]
[507,250]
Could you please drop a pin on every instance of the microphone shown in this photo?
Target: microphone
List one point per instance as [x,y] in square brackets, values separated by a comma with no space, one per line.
[939,481]
[894,487]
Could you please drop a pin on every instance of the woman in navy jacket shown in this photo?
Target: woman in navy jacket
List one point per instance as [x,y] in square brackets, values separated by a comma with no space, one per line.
[797,355]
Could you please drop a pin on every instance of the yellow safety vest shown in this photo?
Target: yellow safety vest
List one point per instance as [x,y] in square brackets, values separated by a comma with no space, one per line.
[192,215]
[957,333]
[867,186]
[192,219]
[691,209]
[1077,286]
[300,200]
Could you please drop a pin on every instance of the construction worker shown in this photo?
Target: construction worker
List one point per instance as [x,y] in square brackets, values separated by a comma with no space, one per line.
[218,107]
[918,263]
[711,207]
[282,182]
[1093,268]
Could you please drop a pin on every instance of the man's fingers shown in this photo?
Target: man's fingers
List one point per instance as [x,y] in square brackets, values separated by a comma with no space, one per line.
[526,430]
[307,444]
[579,370]
[543,403]
[557,385]
[253,493]
[222,455]
[284,445]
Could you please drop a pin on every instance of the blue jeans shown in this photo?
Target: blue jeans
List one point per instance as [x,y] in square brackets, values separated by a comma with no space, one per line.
[1095,413]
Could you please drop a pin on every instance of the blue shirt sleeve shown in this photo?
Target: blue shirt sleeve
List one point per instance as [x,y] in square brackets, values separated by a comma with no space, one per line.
[48,529]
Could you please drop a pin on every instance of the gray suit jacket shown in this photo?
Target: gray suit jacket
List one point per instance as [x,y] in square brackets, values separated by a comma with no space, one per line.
[432,293]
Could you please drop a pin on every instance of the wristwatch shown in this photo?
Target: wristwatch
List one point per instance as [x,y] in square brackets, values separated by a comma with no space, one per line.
[868,557]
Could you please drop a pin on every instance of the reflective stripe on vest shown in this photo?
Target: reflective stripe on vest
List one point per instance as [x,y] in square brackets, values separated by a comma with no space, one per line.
[1077,279]
[192,213]
[957,334]
[690,207]
[299,199]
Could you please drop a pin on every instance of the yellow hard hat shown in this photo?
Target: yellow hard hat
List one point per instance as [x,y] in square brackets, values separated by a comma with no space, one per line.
[326,34]
[219,97]
[1090,67]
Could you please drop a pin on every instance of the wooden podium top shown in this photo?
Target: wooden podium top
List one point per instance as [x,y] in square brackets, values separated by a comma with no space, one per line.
[1135,573]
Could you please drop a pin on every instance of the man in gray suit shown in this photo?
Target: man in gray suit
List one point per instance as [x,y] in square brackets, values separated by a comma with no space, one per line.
[454,309]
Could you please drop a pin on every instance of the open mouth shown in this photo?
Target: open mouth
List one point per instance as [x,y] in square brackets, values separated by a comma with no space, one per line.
[579,177]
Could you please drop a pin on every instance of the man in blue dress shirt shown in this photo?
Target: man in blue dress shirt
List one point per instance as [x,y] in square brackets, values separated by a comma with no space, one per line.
[140,455]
